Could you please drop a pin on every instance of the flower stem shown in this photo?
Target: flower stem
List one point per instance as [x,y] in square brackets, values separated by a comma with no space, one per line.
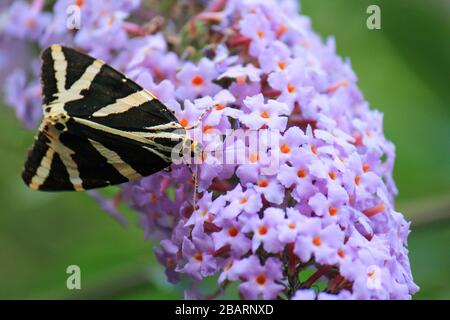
[316,276]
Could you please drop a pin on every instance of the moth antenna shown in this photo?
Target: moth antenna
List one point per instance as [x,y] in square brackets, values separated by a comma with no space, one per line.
[200,118]
[195,173]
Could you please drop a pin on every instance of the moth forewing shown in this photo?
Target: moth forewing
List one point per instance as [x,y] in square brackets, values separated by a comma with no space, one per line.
[99,128]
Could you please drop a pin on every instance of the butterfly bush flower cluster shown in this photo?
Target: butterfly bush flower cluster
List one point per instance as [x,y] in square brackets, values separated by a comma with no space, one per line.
[323,224]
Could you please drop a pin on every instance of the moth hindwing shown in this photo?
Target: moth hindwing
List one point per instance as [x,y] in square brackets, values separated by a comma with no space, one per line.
[99,127]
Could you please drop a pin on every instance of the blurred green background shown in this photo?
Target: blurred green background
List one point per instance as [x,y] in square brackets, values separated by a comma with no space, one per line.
[403,71]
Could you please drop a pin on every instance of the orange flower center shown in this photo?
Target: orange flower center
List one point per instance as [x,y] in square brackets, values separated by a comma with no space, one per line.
[314,149]
[285,148]
[31,23]
[366,167]
[198,256]
[358,138]
[341,253]
[304,44]
[282,65]
[233,232]
[207,128]
[301,173]
[265,115]
[79,3]
[357,180]
[332,175]
[263,183]
[290,88]
[197,80]
[243,200]
[261,279]
[260,34]
[281,30]
[184,122]
[241,79]
[317,241]
[153,197]
[111,21]
[220,107]
[333,211]
[262,230]
[292,225]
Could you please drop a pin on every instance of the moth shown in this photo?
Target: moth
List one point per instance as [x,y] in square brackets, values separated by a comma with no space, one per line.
[99,127]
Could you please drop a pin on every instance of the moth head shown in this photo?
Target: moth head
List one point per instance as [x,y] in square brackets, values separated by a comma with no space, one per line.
[57,120]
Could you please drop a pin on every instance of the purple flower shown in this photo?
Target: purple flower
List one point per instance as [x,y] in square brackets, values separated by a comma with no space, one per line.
[25,21]
[265,230]
[150,53]
[196,80]
[198,252]
[231,235]
[260,280]
[13,55]
[323,206]
[298,174]
[221,102]
[257,27]
[291,83]
[25,97]
[207,210]
[290,142]
[268,114]
[167,256]
[289,228]
[242,73]
[242,90]
[111,34]
[275,58]
[248,201]
[318,240]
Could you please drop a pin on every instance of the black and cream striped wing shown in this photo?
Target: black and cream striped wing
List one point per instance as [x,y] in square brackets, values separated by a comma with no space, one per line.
[82,159]
[88,88]
[99,128]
